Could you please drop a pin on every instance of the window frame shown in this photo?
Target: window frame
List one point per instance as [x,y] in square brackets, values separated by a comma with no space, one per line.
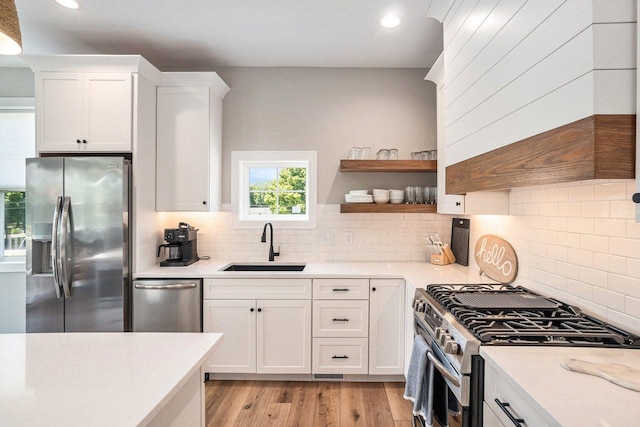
[241,161]
[17,104]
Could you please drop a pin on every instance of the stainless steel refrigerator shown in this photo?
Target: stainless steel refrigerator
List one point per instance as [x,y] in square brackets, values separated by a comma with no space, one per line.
[77,225]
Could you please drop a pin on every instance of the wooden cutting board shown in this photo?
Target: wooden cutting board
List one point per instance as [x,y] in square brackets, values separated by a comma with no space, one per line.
[496,258]
[622,375]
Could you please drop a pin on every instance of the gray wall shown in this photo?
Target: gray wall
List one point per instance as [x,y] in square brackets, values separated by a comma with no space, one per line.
[16,82]
[329,110]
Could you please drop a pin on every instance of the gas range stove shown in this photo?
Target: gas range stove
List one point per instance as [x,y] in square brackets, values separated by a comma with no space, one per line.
[457,319]
[460,318]
[513,315]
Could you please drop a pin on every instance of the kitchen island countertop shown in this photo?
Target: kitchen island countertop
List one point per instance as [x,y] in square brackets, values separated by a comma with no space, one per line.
[95,379]
[566,398]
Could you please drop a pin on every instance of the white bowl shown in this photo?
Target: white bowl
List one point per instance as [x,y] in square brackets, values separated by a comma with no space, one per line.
[396,194]
[381,199]
[381,193]
[396,200]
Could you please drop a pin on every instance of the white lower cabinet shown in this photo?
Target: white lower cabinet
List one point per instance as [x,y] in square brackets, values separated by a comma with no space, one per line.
[358,326]
[272,326]
[236,319]
[271,335]
[340,355]
[284,337]
[503,403]
[340,326]
[386,327]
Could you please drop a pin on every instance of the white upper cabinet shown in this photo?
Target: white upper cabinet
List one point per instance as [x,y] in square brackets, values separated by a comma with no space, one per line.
[83,111]
[88,102]
[189,141]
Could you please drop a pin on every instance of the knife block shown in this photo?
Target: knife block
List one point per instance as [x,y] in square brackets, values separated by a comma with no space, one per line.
[446,257]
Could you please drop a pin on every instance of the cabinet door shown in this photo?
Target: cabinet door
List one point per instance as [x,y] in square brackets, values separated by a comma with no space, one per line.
[348,318]
[183,149]
[236,319]
[386,323]
[284,336]
[84,112]
[489,419]
[107,113]
[59,111]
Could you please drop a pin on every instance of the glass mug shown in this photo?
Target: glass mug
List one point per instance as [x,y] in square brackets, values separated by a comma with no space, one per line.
[419,195]
[354,153]
[409,195]
[382,154]
[393,154]
[364,153]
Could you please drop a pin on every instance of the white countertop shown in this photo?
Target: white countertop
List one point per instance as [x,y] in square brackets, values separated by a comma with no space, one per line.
[566,398]
[84,379]
[416,273]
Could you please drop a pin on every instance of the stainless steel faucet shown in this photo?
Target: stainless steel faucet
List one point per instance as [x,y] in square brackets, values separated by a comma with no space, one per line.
[263,239]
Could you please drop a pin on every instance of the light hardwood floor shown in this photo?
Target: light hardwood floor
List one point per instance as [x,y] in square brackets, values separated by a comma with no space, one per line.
[305,404]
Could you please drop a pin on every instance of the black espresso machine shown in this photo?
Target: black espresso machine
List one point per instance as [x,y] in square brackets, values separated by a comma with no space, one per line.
[182,244]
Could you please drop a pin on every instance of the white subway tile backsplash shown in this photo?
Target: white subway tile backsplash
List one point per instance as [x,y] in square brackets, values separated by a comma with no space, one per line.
[614,190]
[610,227]
[581,193]
[578,242]
[610,263]
[580,225]
[598,244]
[609,299]
[624,247]
[632,306]
[594,209]
[570,209]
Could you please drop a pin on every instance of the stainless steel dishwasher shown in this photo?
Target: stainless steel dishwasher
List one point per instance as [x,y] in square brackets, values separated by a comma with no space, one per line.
[167,305]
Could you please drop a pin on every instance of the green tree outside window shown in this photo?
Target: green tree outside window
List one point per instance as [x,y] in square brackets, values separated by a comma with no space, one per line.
[278,191]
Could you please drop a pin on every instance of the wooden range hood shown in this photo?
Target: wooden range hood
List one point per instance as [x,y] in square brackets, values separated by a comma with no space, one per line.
[596,147]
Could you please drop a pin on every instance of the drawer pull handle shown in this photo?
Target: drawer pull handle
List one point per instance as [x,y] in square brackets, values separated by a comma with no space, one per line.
[340,320]
[340,289]
[339,357]
[505,408]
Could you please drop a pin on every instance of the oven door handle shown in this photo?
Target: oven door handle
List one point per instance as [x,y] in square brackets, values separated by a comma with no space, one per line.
[443,370]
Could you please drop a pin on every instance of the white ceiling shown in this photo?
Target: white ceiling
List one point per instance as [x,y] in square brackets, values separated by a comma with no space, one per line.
[199,35]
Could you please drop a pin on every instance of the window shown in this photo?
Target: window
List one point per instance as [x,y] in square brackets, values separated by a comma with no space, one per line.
[17,142]
[274,186]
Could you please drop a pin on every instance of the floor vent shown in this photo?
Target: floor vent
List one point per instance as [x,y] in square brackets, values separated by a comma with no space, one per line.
[328,376]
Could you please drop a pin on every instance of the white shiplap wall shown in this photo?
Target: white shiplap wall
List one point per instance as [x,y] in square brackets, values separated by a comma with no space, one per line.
[516,68]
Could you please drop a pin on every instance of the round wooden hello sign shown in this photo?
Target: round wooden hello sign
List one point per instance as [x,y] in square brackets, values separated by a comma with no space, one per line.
[496,258]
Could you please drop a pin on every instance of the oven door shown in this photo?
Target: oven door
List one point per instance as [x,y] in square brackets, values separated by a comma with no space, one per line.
[457,398]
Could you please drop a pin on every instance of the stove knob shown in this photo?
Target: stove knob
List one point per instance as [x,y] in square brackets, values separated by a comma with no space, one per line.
[444,338]
[439,333]
[451,347]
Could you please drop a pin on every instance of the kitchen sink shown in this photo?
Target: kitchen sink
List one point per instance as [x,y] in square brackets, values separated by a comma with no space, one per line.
[238,266]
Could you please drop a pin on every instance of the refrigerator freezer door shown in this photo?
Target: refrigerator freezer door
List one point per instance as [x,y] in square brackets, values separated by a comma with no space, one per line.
[44,184]
[96,246]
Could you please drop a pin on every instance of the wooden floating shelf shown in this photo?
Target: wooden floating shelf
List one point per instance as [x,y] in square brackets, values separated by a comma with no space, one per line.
[386,208]
[388,165]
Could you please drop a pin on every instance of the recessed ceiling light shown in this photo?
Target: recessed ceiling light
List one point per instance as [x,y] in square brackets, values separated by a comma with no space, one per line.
[390,20]
[69,4]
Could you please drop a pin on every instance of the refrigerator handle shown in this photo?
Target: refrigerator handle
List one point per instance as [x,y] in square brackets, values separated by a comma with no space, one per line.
[67,219]
[54,247]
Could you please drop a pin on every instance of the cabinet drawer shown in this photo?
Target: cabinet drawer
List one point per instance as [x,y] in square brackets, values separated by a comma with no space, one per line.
[341,288]
[268,288]
[340,356]
[341,318]
[496,387]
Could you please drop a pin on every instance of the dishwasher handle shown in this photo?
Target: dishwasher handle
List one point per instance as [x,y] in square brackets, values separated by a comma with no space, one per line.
[176,286]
